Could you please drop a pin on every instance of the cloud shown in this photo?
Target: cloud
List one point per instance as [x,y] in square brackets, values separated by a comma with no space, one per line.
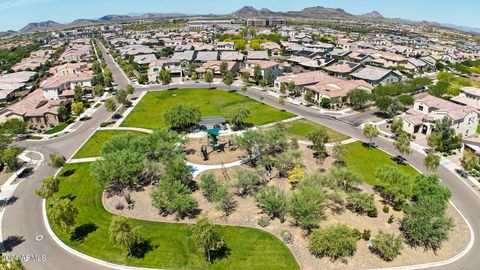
[9,4]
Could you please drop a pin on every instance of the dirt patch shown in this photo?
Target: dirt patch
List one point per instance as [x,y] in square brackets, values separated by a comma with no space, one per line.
[230,154]
[247,213]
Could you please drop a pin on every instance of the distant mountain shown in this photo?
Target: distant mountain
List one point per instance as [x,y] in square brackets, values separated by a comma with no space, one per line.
[50,25]
[9,32]
[319,12]
[462,28]
[374,15]
[39,26]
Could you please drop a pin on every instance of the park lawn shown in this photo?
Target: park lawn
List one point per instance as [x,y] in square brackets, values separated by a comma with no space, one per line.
[211,102]
[478,128]
[365,160]
[300,129]
[93,147]
[172,247]
[56,128]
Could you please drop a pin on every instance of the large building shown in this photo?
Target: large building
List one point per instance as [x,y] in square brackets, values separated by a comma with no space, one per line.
[267,22]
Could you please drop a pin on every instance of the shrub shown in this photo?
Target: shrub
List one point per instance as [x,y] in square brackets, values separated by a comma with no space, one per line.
[337,241]
[107,123]
[387,245]
[391,219]
[366,234]
[287,237]
[57,160]
[273,201]
[70,120]
[119,206]
[209,186]
[362,203]
[263,221]
[386,209]
[372,213]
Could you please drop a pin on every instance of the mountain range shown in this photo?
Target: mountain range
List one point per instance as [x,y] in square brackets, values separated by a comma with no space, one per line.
[317,12]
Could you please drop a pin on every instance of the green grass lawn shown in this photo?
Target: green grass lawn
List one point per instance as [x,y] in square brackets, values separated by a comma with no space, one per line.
[478,129]
[93,147]
[300,129]
[56,129]
[365,160]
[211,102]
[172,247]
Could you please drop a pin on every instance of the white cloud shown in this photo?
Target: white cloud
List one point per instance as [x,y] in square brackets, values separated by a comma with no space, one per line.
[20,3]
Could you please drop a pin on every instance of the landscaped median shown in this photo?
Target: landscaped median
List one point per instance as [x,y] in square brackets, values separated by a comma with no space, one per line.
[148,113]
[168,245]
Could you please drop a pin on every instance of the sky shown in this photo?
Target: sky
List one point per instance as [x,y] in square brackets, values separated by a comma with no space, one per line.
[14,14]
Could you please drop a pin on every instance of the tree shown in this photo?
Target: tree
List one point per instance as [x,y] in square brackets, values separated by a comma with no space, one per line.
[431,162]
[340,151]
[49,187]
[309,97]
[182,116]
[246,181]
[281,101]
[11,263]
[406,100]
[402,144]
[9,157]
[120,232]
[224,199]
[319,137]
[336,241]
[223,68]
[119,169]
[209,78]
[63,214]
[77,108]
[13,126]
[173,197]
[237,115]
[397,125]
[62,111]
[283,88]
[194,76]
[370,131]
[110,105]
[129,89]
[306,206]
[229,78]
[257,74]
[396,185]
[358,98]
[387,245]
[287,160]
[206,237]
[165,76]
[469,160]
[269,77]
[245,77]
[99,90]
[78,93]
[273,201]
[121,96]
[209,186]
[57,161]
[107,74]
[443,138]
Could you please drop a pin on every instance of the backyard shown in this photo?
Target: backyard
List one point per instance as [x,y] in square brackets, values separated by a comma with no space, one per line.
[211,102]
[167,245]
[93,147]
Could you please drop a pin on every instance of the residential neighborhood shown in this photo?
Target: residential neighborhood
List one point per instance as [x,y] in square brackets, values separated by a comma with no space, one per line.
[285,136]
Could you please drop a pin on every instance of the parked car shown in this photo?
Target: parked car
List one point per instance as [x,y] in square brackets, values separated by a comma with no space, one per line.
[462,173]
[88,96]
[429,150]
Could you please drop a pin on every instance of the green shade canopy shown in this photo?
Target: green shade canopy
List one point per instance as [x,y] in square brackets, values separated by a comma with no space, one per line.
[214,131]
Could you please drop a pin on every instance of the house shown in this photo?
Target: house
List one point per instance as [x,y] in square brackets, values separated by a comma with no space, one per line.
[425,111]
[232,56]
[205,56]
[336,89]
[301,80]
[35,110]
[257,55]
[225,46]
[271,47]
[132,50]
[156,66]
[70,68]
[214,66]
[342,69]
[62,86]
[469,96]
[144,59]
[265,66]
[376,75]
[185,56]
[16,84]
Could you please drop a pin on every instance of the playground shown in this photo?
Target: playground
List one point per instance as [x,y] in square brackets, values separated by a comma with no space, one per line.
[213,150]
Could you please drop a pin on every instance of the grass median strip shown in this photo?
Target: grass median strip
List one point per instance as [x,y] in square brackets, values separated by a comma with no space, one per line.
[300,129]
[211,102]
[170,245]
